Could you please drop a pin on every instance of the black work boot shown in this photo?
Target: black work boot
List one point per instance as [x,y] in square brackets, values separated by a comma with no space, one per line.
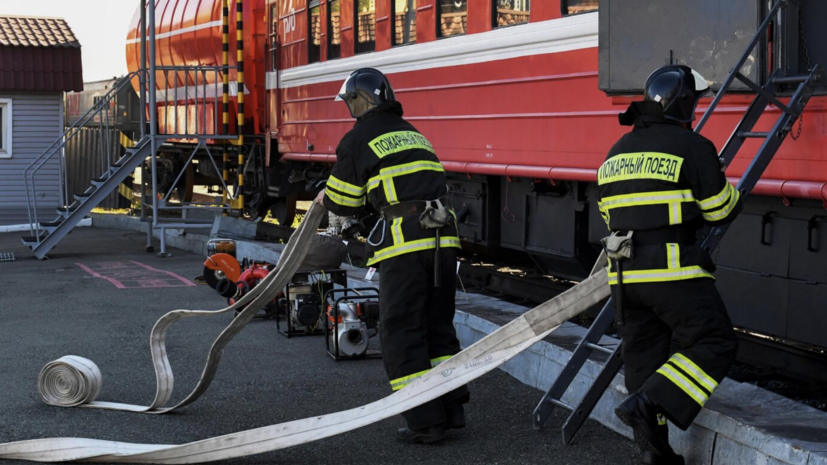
[640,412]
[653,458]
[454,417]
[421,436]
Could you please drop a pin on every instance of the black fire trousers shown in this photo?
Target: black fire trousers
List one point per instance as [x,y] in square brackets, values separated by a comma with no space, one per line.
[417,326]
[678,344]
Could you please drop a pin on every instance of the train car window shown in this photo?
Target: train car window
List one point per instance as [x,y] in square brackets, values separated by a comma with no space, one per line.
[511,12]
[404,14]
[365,26]
[315,42]
[274,34]
[573,7]
[334,29]
[453,17]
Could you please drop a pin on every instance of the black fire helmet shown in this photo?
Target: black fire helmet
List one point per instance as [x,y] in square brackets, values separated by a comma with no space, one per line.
[364,90]
[677,88]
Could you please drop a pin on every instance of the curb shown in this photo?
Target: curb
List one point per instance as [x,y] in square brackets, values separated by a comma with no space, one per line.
[741,423]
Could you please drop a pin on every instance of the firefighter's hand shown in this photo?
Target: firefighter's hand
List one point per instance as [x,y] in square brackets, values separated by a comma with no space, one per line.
[320,198]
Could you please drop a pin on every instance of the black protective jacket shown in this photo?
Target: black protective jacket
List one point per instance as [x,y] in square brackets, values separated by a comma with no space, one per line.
[664,177]
[383,161]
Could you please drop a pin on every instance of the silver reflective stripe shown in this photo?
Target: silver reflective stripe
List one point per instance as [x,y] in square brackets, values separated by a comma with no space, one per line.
[684,384]
[661,275]
[717,200]
[724,212]
[695,371]
[648,199]
[673,252]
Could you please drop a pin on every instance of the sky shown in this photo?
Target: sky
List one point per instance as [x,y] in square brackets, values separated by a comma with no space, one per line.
[100,25]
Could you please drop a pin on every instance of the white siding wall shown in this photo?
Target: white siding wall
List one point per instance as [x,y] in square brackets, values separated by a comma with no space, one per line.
[36,122]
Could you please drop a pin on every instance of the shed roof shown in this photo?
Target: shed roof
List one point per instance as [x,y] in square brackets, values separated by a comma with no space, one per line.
[39,54]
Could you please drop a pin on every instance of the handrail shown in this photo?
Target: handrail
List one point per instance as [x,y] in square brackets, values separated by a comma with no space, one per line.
[60,143]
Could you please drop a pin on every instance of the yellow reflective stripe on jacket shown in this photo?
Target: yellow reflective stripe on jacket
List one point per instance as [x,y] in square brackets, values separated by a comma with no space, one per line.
[390,191]
[399,383]
[717,200]
[343,199]
[438,360]
[646,198]
[399,141]
[699,376]
[645,165]
[414,246]
[673,272]
[404,169]
[396,230]
[684,384]
[656,276]
[346,187]
[718,215]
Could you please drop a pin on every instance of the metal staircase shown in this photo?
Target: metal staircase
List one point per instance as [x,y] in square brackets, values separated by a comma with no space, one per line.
[44,235]
[778,82]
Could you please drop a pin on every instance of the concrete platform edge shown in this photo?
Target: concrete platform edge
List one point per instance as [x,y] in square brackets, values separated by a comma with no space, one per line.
[714,439]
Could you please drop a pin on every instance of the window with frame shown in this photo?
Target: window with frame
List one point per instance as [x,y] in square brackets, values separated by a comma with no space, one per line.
[274,33]
[404,17]
[573,7]
[314,53]
[511,12]
[334,29]
[453,17]
[5,128]
[365,26]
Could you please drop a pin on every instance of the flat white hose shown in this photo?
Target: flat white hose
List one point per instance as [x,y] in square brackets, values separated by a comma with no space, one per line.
[473,362]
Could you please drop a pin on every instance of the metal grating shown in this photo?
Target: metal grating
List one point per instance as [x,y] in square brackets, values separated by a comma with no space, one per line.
[6,257]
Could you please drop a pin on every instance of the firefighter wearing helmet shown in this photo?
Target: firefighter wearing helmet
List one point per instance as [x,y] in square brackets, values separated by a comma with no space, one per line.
[386,165]
[660,184]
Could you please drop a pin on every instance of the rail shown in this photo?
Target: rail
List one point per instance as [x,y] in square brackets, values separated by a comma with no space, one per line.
[189,101]
[100,109]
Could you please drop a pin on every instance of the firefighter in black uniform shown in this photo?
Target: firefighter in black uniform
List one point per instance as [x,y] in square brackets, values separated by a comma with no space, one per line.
[663,182]
[385,164]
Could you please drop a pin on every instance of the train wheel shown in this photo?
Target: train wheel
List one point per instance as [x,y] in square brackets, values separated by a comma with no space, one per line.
[284,210]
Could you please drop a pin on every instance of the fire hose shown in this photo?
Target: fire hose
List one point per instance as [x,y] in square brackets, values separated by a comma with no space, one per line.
[468,365]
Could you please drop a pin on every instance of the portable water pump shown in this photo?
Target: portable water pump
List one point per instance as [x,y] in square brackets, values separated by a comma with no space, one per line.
[352,319]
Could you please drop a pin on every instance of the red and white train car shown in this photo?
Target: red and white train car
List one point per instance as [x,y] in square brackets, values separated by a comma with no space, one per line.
[507,91]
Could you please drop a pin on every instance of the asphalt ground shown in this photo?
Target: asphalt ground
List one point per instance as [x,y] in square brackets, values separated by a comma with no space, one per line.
[53,308]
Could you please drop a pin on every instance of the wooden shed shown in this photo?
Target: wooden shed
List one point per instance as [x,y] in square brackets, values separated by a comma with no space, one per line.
[39,61]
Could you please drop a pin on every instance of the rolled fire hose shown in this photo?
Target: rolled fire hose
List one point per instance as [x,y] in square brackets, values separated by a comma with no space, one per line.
[468,365]
[73,381]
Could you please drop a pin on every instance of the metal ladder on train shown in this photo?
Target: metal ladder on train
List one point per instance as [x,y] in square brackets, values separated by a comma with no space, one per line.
[44,235]
[766,95]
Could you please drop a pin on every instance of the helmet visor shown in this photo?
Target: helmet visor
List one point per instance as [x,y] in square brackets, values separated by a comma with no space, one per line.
[701,84]
[340,96]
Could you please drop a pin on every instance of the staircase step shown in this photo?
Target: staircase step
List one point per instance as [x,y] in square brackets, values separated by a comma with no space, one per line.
[31,241]
[70,208]
[51,224]
[790,79]
[90,190]
[122,160]
[762,135]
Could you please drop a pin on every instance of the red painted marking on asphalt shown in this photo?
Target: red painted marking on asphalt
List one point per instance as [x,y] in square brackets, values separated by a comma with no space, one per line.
[134,275]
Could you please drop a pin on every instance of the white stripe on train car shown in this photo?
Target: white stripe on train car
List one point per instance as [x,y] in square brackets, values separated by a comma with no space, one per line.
[177,32]
[552,36]
[212,90]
